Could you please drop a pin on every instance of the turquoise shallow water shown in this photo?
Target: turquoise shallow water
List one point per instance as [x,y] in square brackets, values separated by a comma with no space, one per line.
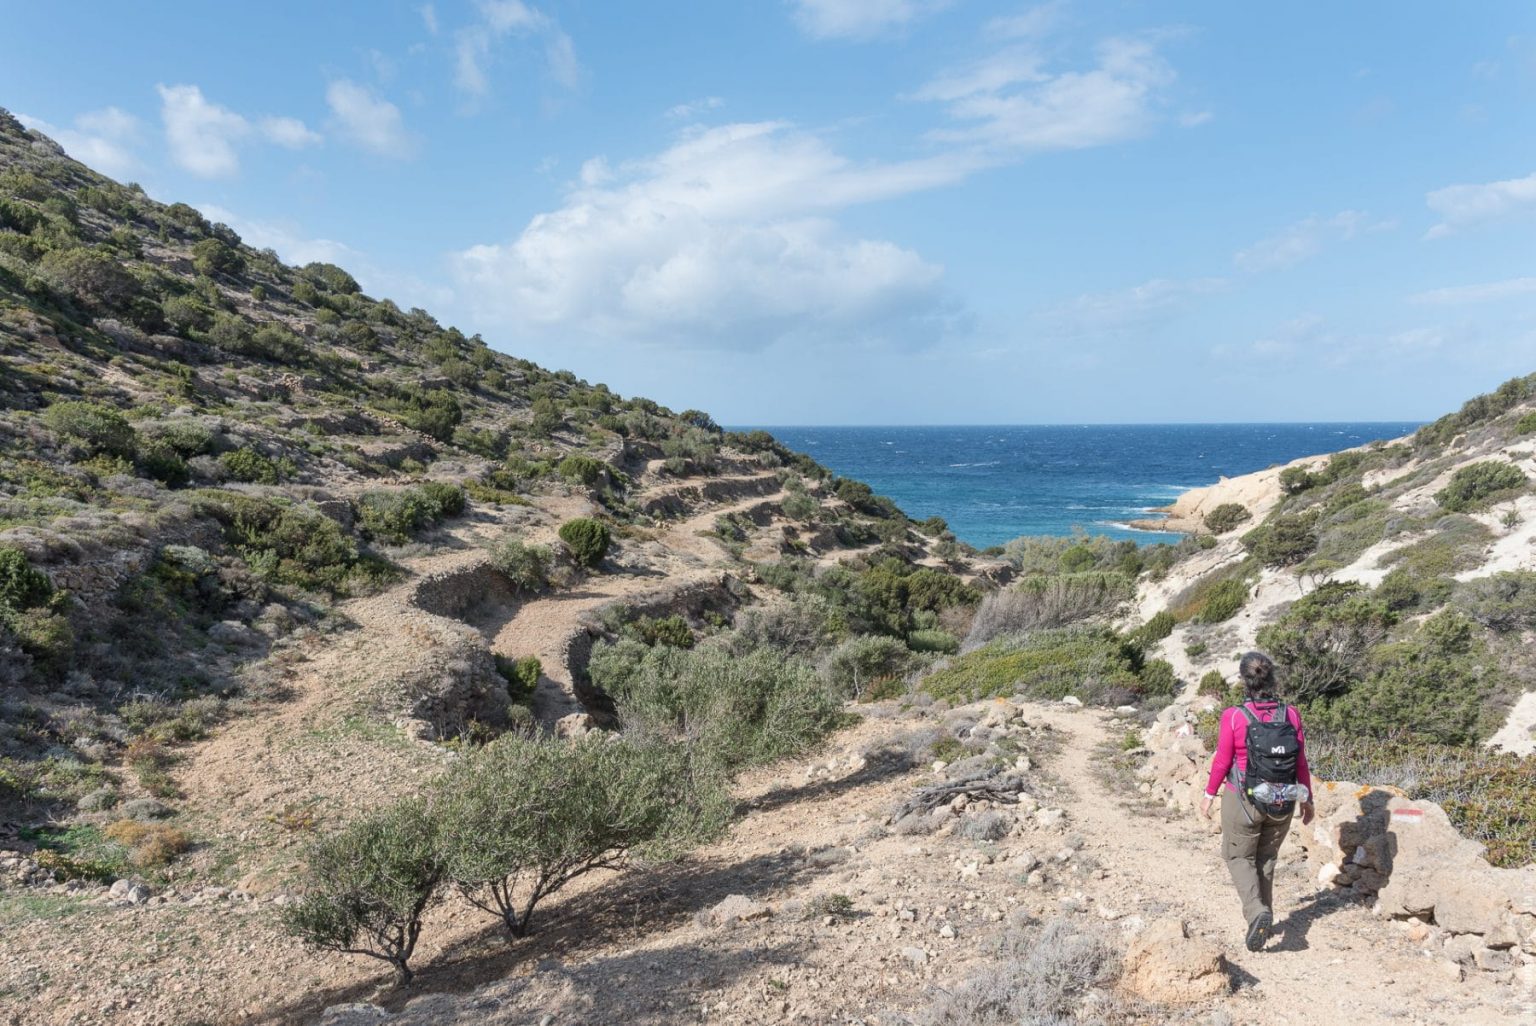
[997,483]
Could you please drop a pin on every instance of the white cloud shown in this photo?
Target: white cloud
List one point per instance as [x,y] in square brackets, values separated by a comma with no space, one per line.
[202,134]
[1305,239]
[101,139]
[720,241]
[497,20]
[1011,101]
[1134,309]
[205,137]
[1195,118]
[1461,206]
[859,19]
[693,108]
[367,120]
[1482,292]
[289,132]
[428,18]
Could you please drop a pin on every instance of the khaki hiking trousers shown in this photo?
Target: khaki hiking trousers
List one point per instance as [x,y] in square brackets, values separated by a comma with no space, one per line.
[1250,843]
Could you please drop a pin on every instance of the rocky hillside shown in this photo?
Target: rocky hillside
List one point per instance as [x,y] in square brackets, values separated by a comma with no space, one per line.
[274,552]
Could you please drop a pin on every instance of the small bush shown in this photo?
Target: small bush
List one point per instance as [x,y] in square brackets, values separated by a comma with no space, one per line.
[1213,683]
[368,885]
[933,640]
[1295,480]
[1324,639]
[21,586]
[667,630]
[93,429]
[739,709]
[526,566]
[582,469]
[1474,486]
[1224,600]
[1283,540]
[398,516]
[149,845]
[587,540]
[522,676]
[93,275]
[1526,425]
[859,663]
[248,465]
[213,257]
[1096,665]
[1226,517]
[1503,602]
[1155,629]
[1041,977]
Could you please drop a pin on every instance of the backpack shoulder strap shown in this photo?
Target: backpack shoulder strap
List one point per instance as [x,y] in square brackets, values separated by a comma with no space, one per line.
[1248,714]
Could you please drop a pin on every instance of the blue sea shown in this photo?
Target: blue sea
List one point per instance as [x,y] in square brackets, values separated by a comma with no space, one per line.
[996,483]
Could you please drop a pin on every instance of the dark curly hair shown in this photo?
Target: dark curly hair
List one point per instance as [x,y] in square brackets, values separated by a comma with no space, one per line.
[1258,673]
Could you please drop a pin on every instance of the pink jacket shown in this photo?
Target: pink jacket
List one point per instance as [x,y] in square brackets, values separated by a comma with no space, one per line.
[1232,745]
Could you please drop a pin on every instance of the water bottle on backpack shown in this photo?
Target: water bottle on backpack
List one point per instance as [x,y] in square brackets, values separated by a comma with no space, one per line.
[1269,779]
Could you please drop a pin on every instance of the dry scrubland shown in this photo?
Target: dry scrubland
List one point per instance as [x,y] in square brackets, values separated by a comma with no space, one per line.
[323,626]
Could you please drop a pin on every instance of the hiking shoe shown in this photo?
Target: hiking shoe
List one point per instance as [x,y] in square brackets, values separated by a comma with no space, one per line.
[1258,930]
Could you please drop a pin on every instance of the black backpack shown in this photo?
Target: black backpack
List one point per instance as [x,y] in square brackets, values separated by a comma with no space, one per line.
[1273,748]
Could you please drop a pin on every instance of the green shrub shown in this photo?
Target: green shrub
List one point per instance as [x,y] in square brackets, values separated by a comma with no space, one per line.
[91,274]
[587,540]
[1283,540]
[1155,629]
[525,816]
[1526,425]
[21,586]
[1503,602]
[1403,590]
[1096,665]
[159,461]
[582,469]
[522,676]
[1455,543]
[547,417]
[740,709]
[1213,683]
[186,315]
[933,640]
[526,566]
[1224,600]
[397,516]
[290,544]
[1477,484]
[331,278]
[434,413]
[213,257]
[368,885]
[92,428]
[858,663]
[1324,639]
[44,635]
[1295,480]
[1436,685]
[248,465]
[802,508]
[667,630]
[1158,679]
[1226,516]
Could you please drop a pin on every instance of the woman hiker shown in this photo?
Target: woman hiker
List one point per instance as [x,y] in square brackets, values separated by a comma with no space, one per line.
[1252,830]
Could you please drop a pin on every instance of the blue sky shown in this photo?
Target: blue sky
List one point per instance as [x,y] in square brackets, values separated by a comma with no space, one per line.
[866,211]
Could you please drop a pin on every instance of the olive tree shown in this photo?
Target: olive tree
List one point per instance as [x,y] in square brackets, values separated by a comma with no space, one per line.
[527,815]
[368,885]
